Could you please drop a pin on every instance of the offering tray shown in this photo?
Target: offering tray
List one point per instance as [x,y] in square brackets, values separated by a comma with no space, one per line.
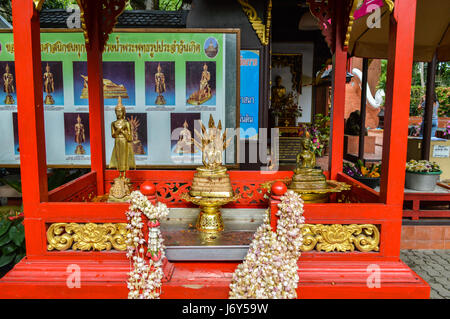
[184,242]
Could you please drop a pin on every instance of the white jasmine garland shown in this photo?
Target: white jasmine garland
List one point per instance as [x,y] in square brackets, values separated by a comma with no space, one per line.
[145,276]
[270,269]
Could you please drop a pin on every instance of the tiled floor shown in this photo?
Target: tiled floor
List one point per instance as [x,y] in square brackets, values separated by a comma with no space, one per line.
[433,266]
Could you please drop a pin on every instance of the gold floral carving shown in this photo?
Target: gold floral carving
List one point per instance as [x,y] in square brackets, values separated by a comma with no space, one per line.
[336,237]
[90,236]
[390,4]
[262,30]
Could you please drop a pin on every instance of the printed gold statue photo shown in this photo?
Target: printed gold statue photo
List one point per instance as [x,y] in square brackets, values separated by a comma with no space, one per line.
[204,93]
[49,86]
[80,136]
[160,86]
[122,157]
[110,89]
[185,142]
[8,86]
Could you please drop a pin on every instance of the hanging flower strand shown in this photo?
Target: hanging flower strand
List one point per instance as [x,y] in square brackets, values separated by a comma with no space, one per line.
[270,268]
[146,274]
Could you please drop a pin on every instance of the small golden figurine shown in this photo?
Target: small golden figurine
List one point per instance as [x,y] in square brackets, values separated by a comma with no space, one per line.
[160,86]
[138,148]
[309,181]
[204,93]
[80,136]
[184,144]
[211,187]
[49,86]
[8,86]
[111,90]
[122,156]
[278,97]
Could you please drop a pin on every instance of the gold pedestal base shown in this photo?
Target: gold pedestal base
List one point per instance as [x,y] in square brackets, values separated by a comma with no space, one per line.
[9,100]
[210,219]
[160,100]
[80,150]
[120,190]
[194,99]
[319,195]
[49,100]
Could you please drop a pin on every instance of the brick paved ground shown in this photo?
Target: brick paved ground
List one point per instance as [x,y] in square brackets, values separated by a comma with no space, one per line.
[433,266]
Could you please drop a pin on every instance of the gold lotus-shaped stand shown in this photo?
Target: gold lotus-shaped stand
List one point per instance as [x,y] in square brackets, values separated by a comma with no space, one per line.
[211,186]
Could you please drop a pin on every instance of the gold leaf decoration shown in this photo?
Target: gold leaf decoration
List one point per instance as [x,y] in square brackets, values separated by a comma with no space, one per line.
[38,4]
[89,236]
[337,237]
[262,30]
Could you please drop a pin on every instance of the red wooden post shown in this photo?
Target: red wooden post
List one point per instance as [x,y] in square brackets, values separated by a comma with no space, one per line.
[278,190]
[338,93]
[398,91]
[27,52]
[95,89]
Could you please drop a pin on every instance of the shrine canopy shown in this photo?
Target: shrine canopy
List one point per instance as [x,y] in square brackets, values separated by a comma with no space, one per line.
[432,33]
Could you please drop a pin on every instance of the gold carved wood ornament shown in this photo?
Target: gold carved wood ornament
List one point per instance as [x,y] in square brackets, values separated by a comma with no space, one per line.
[262,30]
[341,238]
[90,236]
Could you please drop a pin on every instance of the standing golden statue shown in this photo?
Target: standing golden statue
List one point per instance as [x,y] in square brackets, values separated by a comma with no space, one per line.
[80,136]
[49,86]
[138,148]
[310,182]
[211,187]
[184,143]
[122,156]
[8,86]
[204,93]
[160,86]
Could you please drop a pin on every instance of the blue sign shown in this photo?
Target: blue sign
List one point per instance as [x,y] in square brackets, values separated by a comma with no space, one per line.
[249,102]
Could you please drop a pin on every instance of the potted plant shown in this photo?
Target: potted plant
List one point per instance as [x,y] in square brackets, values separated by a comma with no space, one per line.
[422,175]
[12,240]
[368,175]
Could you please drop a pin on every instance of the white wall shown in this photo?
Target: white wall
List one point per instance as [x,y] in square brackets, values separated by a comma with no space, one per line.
[307,50]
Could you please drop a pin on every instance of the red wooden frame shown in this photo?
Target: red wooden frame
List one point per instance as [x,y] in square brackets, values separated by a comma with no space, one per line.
[416,198]
[322,275]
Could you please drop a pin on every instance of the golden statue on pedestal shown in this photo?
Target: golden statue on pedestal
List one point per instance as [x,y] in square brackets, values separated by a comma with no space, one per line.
[204,93]
[49,86]
[211,187]
[184,144]
[278,97]
[8,86]
[309,181]
[80,136]
[122,156]
[111,90]
[138,148]
[160,86]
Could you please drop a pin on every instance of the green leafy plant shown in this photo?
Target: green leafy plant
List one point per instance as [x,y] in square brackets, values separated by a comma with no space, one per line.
[12,239]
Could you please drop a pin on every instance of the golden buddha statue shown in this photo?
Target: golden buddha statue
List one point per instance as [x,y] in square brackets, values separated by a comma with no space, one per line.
[310,182]
[122,156]
[49,86]
[160,86]
[138,148]
[184,143]
[80,136]
[204,93]
[8,86]
[211,187]
[278,92]
[111,90]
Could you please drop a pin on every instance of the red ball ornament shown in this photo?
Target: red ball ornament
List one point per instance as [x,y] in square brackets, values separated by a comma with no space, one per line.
[148,189]
[279,188]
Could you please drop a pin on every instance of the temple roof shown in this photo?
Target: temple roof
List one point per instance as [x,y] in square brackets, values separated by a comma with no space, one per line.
[56,18]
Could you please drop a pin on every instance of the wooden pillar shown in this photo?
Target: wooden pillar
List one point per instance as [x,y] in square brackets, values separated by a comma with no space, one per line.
[30,105]
[428,114]
[338,94]
[398,91]
[96,107]
[362,131]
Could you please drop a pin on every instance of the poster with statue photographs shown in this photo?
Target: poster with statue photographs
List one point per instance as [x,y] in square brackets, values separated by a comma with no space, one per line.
[166,82]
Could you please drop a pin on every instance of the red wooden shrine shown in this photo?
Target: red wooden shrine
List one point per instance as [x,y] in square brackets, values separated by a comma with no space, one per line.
[44,273]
